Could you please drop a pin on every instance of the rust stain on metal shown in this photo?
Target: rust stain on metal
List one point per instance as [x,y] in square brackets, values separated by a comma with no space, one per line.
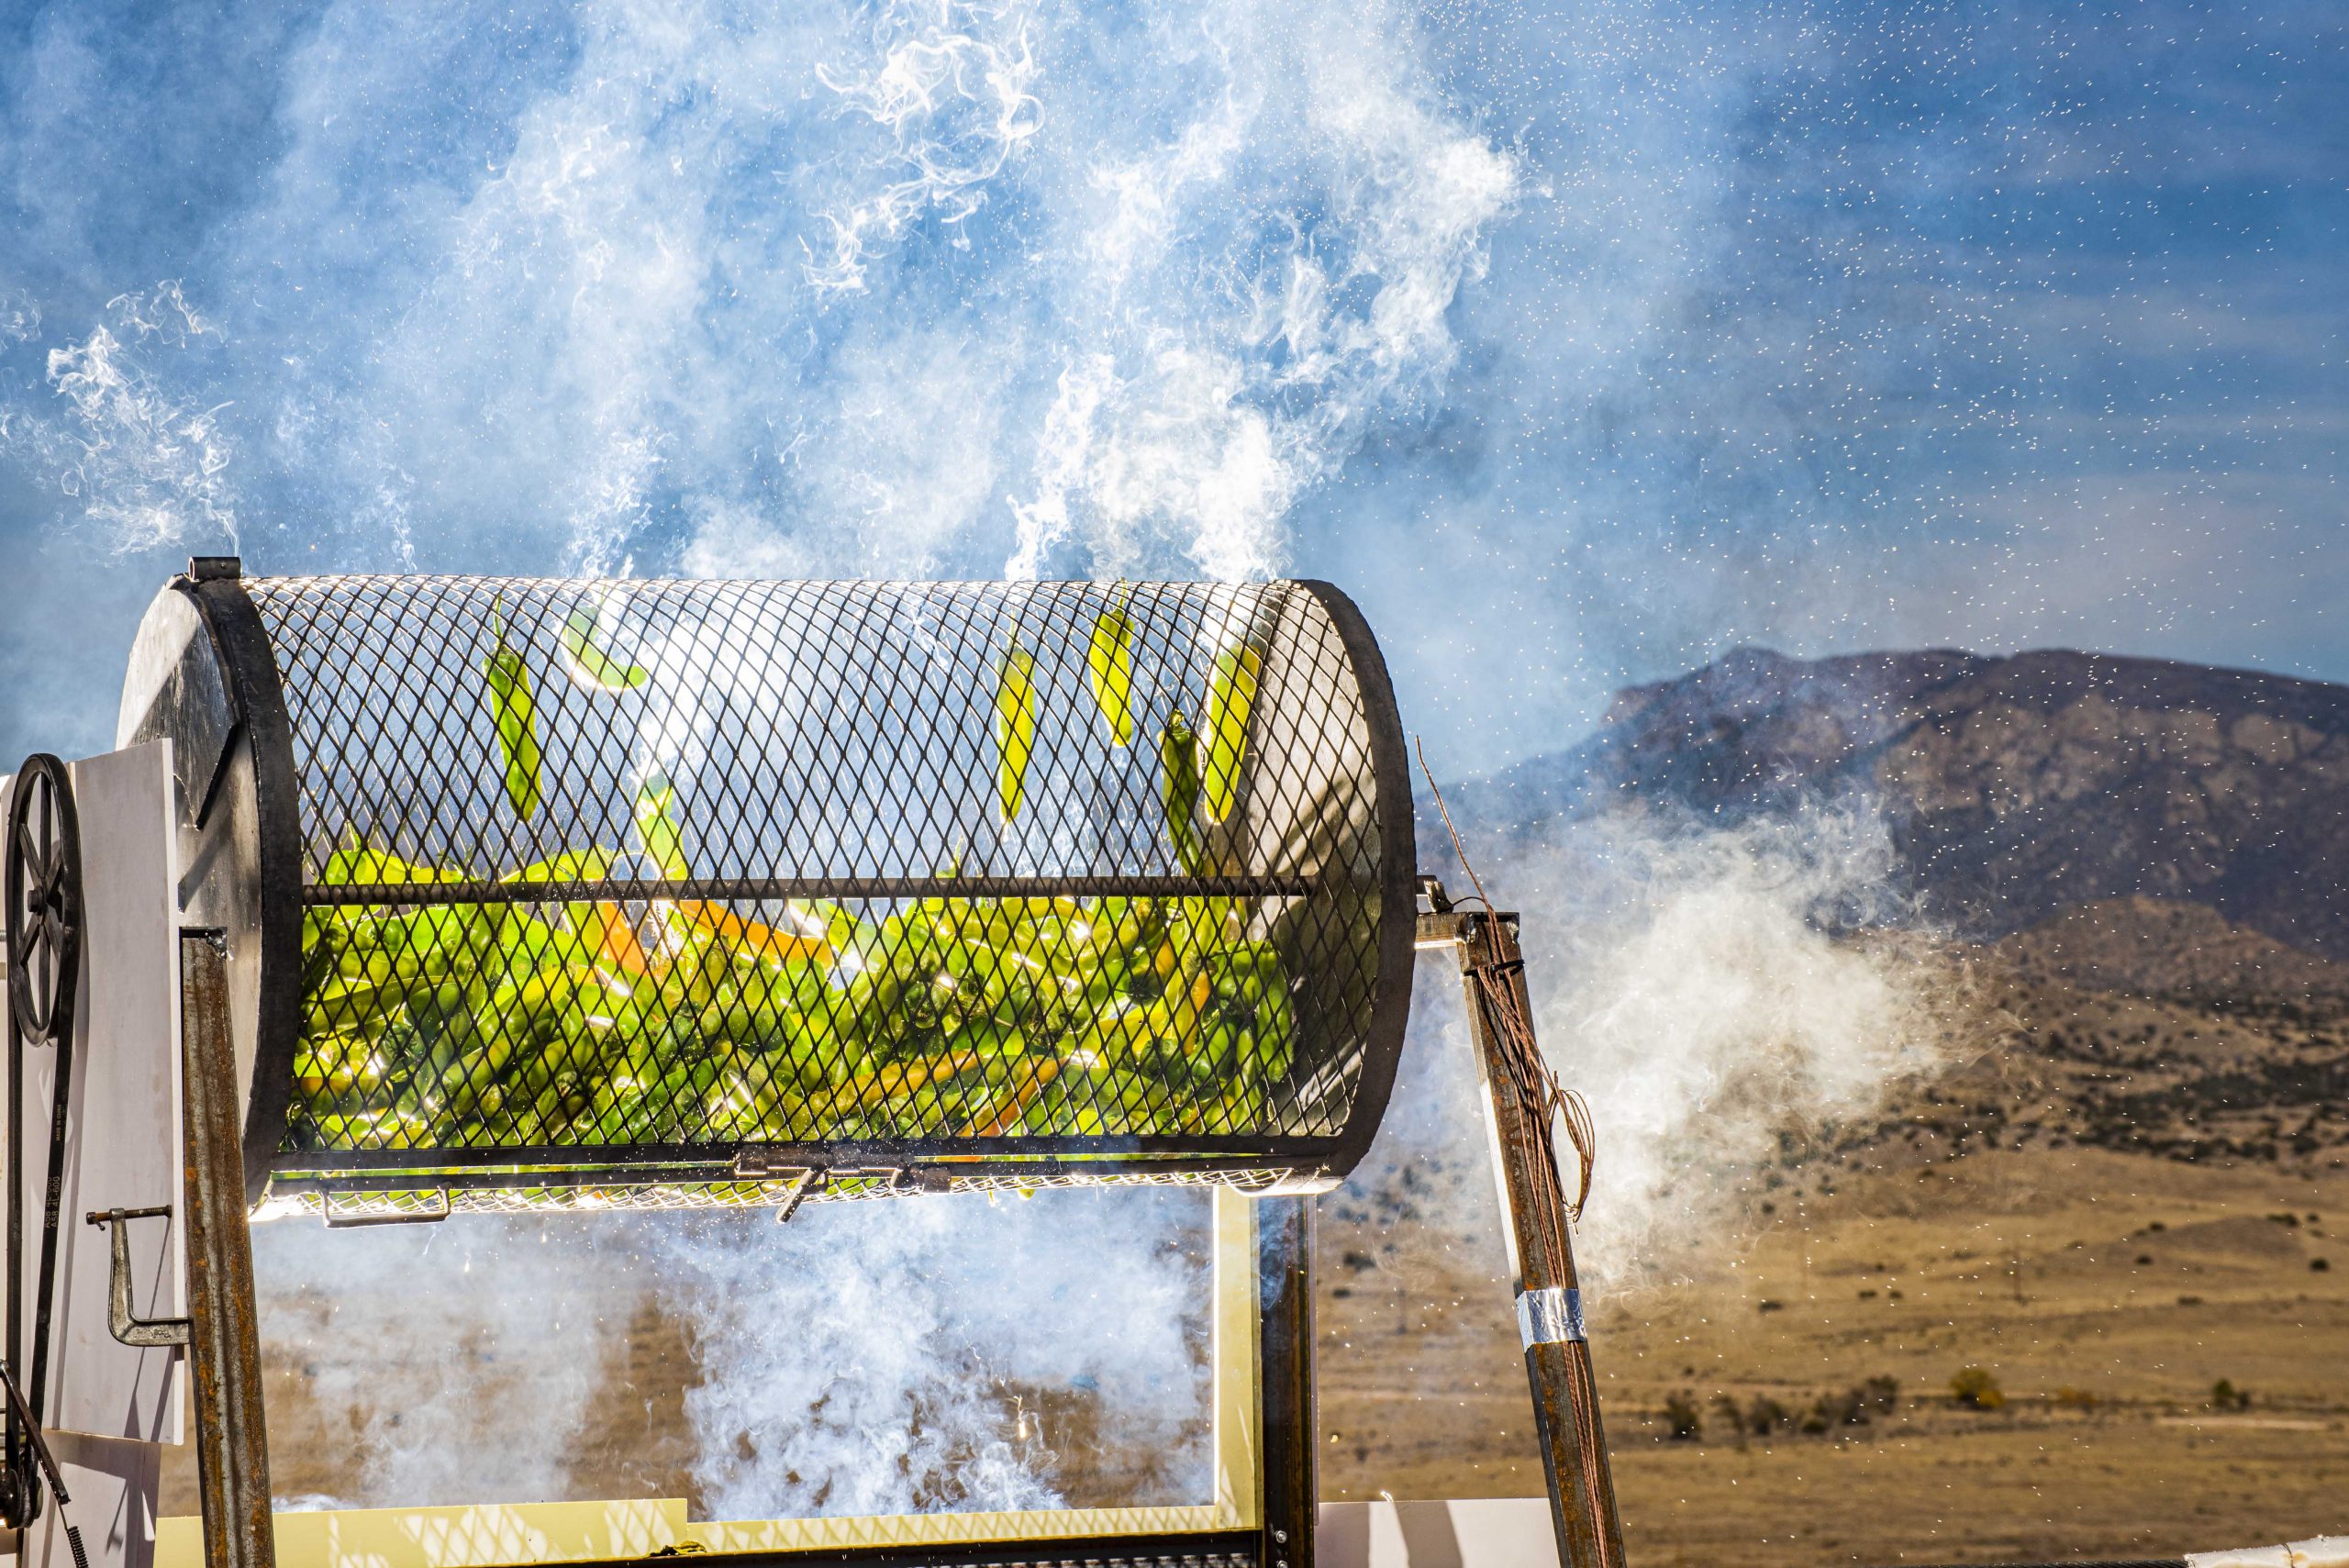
[232,1439]
[1565,1392]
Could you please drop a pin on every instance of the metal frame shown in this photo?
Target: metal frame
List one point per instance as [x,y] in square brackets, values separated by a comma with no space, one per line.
[1262,1515]
[1398,872]
[1276,1534]
[1272,1529]
[216,586]
[224,1350]
[1575,1462]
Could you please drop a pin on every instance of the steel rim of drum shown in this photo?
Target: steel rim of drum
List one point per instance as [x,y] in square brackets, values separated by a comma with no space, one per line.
[44,900]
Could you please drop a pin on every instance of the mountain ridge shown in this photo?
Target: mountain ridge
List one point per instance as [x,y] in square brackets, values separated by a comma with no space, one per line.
[2014,787]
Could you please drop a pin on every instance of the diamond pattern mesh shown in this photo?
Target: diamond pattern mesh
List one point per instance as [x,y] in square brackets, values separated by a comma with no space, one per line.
[641,879]
[346,1202]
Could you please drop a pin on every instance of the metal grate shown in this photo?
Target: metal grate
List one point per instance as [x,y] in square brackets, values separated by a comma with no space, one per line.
[659,886]
[369,1202]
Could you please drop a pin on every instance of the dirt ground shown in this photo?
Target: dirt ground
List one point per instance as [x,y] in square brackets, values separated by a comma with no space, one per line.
[2107,1294]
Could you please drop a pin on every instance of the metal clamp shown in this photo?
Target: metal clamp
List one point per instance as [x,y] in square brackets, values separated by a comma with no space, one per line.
[139,1333]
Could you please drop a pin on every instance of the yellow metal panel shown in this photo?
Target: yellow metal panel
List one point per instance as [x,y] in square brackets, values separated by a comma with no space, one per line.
[950,1529]
[1237,1347]
[473,1536]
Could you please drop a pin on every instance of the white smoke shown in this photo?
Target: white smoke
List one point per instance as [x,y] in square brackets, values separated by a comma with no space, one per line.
[949,85]
[917,1355]
[1202,424]
[19,318]
[898,288]
[437,1363]
[892,472]
[878,1358]
[1710,988]
[143,465]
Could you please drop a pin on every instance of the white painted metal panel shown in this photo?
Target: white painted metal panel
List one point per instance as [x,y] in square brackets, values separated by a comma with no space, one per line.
[1480,1532]
[114,1487]
[124,1137]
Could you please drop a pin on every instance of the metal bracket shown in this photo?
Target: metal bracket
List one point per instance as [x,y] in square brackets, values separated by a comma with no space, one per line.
[1441,933]
[139,1333]
[756,1162]
[807,1181]
[403,1217]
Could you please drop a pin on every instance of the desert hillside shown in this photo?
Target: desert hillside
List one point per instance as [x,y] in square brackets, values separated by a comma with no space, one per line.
[2132,1214]
[2121,1220]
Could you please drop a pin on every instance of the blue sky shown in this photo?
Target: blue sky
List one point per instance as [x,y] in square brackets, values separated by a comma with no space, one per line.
[1581,343]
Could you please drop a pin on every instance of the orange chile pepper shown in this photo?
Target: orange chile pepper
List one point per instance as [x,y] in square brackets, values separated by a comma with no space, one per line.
[760,941]
[616,941]
[1007,1115]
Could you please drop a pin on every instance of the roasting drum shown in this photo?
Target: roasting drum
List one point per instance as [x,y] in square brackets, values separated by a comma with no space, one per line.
[552,893]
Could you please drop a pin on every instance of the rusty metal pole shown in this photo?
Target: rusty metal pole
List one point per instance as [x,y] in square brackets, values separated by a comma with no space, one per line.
[1292,1493]
[1549,1293]
[223,1348]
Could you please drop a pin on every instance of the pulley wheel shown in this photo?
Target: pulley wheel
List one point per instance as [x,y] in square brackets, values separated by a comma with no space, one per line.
[44,908]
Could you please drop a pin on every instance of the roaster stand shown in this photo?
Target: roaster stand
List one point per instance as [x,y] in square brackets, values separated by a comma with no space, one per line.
[232,1435]
[232,1449]
[230,1428]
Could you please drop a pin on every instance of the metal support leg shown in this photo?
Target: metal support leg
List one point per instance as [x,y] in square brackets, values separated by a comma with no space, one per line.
[1291,1477]
[1548,1293]
[231,1441]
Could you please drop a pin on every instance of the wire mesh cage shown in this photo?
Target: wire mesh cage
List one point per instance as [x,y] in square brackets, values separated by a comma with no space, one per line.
[561,893]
